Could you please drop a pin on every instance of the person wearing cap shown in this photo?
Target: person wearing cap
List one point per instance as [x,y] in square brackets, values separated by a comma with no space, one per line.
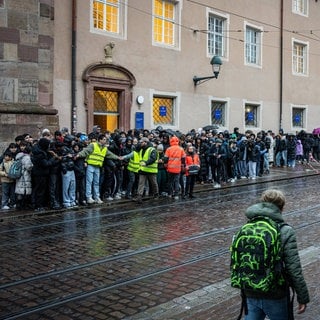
[132,169]
[95,154]
[148,168]
[64,131]
[46,134]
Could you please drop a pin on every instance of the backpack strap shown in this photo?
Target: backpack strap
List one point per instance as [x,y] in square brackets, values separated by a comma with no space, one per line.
[290,303]
[244,305]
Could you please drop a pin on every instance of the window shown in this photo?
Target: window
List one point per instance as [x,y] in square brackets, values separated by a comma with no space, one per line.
[106,109]
[216,35]
[299,58]
[298,117]
[163,110]
[253,46]
[251,115]
[165,20]
[218,111]
[109,16]
[300,7]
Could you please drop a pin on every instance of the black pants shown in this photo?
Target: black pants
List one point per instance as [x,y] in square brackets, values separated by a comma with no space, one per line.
[190,181]
[40,191]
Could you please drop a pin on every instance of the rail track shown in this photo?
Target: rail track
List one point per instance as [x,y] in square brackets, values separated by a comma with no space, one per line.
[62,263]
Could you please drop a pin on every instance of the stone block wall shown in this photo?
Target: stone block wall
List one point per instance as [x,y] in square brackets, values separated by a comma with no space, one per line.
[26,68]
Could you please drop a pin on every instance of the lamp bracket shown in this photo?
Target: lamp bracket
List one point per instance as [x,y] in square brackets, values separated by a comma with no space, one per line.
[199,80]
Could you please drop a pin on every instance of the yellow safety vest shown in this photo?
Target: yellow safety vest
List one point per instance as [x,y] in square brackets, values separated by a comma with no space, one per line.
[96,158]
[134,163]
[151,168]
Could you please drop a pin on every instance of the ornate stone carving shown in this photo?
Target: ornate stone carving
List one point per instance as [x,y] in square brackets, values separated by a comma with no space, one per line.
[108,52]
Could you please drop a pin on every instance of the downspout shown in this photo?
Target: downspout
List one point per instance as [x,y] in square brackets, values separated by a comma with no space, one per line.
[281,67]
[73,67]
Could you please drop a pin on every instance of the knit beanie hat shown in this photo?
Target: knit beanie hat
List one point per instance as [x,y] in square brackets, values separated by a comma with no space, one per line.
[44,144]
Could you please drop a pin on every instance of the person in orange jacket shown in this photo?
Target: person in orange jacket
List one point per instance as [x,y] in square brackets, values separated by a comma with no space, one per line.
[192,169]
[175,160]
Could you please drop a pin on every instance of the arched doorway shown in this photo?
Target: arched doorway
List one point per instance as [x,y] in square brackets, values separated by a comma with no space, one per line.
[108,96]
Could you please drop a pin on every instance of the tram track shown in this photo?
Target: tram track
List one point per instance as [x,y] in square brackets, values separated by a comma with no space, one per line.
[84,295]
[223,193]
[232,229]
[144,276]
[215,241]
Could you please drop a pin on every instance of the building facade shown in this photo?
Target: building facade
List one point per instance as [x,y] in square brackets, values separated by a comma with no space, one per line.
[26,63]
[126,64]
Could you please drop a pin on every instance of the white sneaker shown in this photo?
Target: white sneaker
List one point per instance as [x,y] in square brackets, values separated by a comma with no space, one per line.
[90,201]
[109,198]
[232,180]
[117,196]
[217,185]
[5,208]
[98,200]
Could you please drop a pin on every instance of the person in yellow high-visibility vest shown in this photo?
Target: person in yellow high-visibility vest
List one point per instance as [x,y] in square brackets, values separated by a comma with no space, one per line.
[148,168]
[95,154]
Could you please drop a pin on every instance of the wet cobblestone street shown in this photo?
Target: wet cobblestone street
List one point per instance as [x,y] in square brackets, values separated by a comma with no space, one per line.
[163,259]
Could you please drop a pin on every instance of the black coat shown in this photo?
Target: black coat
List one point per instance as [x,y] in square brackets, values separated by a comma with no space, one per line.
[42,161]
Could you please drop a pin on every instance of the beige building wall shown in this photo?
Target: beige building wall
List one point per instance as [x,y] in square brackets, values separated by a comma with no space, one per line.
[159,70]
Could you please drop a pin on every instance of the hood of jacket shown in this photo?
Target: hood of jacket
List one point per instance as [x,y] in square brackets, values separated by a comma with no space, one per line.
[174,141]
[265,209]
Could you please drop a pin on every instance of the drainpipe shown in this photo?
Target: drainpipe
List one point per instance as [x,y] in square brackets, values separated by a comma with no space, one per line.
[281,66]
[73,67]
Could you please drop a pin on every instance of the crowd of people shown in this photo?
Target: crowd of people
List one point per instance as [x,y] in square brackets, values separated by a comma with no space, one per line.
[64,170]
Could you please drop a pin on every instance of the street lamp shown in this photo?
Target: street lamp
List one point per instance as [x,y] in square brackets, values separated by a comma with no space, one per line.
[216,63]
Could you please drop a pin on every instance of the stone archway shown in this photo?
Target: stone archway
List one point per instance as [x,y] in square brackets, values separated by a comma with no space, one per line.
[113,78]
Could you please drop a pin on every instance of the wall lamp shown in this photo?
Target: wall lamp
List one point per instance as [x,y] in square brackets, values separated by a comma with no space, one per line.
[216,63]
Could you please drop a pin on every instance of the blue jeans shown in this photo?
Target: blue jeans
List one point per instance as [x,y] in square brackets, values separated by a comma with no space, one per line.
[8,195]
[93,182]
[68,189]
[283,155]
[275,309]
[252,166]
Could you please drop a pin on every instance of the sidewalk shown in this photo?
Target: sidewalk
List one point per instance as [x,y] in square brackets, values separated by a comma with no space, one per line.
[276,174]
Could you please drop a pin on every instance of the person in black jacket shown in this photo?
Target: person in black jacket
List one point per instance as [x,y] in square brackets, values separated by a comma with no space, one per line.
[217,154]
[42,160]
[252,156]
[67,173]
[80,173]
[55,179]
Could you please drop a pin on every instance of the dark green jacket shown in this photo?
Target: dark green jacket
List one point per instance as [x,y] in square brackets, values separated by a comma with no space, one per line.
[291,258]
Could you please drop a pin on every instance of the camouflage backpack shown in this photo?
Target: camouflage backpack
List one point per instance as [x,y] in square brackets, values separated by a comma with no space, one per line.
[256,256]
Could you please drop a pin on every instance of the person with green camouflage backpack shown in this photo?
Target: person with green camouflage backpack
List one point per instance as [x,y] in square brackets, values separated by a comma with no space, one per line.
[265,263]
